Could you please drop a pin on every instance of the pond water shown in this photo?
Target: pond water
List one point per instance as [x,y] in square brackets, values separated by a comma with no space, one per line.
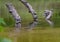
[40,31]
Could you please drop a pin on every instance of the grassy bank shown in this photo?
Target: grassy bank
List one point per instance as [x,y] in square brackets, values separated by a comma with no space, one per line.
[38,5]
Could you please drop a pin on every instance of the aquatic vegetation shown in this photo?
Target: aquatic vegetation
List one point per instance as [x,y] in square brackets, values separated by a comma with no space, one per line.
[5,40]
[2,22]
[1,28]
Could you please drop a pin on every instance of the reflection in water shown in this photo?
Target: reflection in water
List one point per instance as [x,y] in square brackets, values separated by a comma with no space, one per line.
[33,24]
[17,25]
[19,34]
[14,34]
[50,22]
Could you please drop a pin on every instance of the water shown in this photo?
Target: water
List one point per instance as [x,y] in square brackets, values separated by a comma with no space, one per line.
[35,32]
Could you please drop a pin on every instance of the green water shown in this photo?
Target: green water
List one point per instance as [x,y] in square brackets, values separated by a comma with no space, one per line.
[38,34]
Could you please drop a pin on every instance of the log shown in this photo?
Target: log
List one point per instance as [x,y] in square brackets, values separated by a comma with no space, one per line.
[32,24]
[48,14]
[50,23]
[31,10]
[15,15]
